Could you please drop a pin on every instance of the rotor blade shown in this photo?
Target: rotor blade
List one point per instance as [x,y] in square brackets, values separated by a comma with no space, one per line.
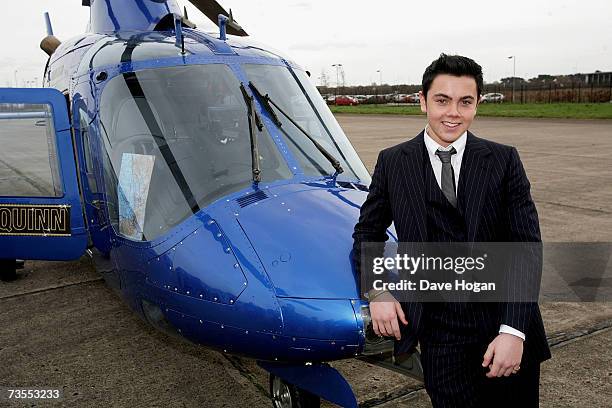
[212,9]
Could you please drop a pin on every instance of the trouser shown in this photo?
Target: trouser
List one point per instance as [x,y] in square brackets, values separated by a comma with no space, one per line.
[454,377]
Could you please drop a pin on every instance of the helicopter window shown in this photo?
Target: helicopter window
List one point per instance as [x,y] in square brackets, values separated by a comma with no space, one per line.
[28,157]
[177,139]
[317,120]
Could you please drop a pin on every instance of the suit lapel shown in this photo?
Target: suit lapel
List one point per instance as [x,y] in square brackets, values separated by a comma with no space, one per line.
[414,186]
[473,182]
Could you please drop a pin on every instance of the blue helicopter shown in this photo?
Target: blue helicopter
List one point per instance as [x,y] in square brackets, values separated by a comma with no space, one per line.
[208,180]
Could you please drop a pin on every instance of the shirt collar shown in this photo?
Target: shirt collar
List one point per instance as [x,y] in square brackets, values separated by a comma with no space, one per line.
[458,144]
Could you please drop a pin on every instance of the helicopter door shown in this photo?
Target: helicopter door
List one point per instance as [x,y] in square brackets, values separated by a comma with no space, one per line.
[41,216]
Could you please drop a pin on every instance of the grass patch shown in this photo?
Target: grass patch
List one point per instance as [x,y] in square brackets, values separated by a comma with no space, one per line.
[528,110]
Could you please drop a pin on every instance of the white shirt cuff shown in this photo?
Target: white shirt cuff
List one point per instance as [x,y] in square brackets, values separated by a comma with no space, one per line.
[511,330]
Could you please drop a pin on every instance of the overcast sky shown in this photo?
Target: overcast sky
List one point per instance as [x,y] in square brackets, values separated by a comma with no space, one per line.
[400,38]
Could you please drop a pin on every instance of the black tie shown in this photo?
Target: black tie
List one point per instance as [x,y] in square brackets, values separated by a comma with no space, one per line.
[448,175]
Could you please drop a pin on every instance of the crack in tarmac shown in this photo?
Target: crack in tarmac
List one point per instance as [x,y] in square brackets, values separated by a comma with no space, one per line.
[575,207]
[236,362]
[50,288]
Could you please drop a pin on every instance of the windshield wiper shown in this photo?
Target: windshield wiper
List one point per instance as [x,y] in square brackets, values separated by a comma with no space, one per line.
[266,102]
[254,122]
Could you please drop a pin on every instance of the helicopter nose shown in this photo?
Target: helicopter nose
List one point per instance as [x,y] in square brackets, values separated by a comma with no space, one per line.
[304,240]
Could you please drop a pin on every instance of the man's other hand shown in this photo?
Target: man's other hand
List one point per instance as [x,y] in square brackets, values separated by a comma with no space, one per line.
[503,356]
[384,312]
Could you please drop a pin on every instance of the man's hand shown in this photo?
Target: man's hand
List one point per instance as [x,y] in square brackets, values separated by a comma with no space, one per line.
[503,356]
[384,312]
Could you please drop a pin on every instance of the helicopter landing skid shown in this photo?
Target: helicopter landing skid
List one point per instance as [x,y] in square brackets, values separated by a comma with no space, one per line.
[319,379]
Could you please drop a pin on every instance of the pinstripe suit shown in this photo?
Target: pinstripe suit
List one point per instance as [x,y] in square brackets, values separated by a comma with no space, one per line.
[495,202]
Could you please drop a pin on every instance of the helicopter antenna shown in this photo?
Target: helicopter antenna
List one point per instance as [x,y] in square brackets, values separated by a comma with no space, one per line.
[48,22]
[185,13]
[178,30]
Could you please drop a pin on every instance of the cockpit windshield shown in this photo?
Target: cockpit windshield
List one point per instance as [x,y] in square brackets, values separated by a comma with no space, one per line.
[296,96]
[177,139]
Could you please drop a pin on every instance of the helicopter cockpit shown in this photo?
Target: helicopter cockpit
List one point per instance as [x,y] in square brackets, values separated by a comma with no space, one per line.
[177,139]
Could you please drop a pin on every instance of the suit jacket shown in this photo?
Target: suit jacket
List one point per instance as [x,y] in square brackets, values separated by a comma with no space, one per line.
[493,192]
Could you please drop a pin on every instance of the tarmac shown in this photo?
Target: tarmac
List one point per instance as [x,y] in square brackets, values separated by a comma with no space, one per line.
[61,327]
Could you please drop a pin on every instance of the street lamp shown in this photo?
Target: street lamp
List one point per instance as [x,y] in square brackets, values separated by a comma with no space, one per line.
[337,66]
[380,73]
[513,58]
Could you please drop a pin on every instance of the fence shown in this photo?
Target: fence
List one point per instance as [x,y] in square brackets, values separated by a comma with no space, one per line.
[554,93]
[523,93]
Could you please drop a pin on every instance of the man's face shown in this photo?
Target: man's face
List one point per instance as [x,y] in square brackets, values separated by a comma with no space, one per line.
[450,107]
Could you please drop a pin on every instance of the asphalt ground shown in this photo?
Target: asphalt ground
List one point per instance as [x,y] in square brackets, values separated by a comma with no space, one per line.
[61,327]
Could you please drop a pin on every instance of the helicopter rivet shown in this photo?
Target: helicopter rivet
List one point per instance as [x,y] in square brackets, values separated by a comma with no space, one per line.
[225,351]
[174,248]
[293,339]
[182,316]
[200,296]
[246,332]
[232,301]
[201,322]
[211,222]
[170,268]
[222,326]
[158,259]
[275,359]
[282,203]
[219,235]
[245,283]
[308,363]
[166,310]
[235,266]
[227,250]
[289,209]
[273,337]
[275,195]
[215,299]
[195,232]
[342,348]
[333,343]
[179,330]
[235,214]
[188,292]
[181,242]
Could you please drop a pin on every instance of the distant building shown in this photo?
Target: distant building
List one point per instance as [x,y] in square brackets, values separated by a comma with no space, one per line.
[598,78]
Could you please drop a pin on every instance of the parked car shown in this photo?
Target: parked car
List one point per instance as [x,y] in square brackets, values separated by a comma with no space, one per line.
[414,98]
[344,100]
[492,97]
[400,98]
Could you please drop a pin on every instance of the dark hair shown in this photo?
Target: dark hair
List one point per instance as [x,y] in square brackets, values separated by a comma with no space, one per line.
[453,65]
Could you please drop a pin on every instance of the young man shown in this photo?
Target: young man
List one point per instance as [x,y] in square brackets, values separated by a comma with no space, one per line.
[447,185]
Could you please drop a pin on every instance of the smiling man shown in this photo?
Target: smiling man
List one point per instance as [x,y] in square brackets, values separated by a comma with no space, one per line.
[447,185]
